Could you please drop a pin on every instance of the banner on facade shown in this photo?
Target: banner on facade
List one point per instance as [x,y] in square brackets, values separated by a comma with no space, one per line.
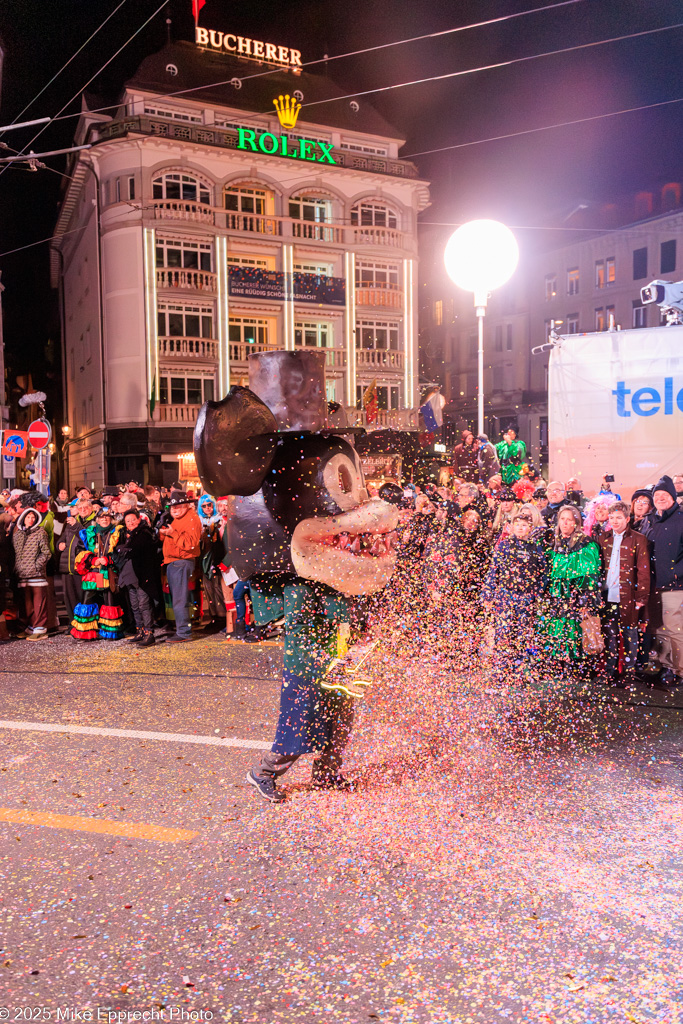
[255,283]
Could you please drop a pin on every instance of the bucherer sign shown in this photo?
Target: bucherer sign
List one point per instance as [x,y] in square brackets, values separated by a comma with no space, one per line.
[253,49]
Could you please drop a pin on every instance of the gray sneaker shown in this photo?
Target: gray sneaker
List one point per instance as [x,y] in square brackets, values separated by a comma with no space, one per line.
[267,788]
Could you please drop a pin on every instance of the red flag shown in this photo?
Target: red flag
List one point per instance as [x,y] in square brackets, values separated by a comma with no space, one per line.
[370,402]
[196,8]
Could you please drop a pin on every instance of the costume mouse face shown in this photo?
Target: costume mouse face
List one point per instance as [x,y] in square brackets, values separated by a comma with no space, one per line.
[299,500]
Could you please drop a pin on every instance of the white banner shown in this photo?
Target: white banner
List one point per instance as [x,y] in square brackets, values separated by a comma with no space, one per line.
[616,406]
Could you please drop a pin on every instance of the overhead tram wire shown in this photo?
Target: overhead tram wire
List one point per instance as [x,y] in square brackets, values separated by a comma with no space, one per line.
[98,72]
[351,53]
[492,67]
[63,67]
[542,128]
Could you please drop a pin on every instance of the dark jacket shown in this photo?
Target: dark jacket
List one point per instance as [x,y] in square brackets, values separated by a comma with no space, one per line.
[518,566]
[140,552]
[70,538]
[634,572]
[665,533]
[466,462]
[488,463]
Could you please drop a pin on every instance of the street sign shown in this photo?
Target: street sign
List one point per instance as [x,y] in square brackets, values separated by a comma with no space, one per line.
[15,442]
[9,467]
[40,434]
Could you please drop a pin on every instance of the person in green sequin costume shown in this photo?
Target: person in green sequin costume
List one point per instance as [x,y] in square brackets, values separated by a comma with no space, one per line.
[511,454]
[573,589]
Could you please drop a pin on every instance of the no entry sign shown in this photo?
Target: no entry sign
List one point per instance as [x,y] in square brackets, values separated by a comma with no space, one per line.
[39,434]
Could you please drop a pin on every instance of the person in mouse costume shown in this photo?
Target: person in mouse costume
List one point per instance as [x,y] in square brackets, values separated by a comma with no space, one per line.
[304,533]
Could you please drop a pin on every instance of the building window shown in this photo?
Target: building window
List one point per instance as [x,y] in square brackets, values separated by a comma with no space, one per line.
[182,390]
[573,281]
[498,373]
[498,339]
[668,257]
[508,337]
[639,314]
[385,275]
[182,253]
[319,269]
[639,263]
[599,319]
[438,313]
[312,335]
[249,331]
[610,318]
[175,115]
[572,323]
[243,199]
[550,287]
[356,147]
[375,334]
[610,270]
[263,263]
[310,208]
[181,186]
[373,214]
[599,273]
[176,320]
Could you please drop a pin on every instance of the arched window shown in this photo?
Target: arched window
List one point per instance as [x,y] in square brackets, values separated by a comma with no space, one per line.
[248,199]
[312,208]
[373,213]
[175,185]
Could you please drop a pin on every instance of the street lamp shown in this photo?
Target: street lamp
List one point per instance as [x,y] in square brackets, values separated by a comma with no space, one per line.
[480,256]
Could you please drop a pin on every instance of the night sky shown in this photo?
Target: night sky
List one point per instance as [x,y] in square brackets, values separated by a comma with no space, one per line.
[523,181]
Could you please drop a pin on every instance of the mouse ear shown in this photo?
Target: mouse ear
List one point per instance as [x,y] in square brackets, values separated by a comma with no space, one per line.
[234,443]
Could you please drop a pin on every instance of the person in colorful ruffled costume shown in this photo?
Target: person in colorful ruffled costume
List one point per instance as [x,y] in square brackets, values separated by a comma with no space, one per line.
[98,616]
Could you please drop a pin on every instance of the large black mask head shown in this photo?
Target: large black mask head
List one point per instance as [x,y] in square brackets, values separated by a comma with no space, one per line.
[299,500]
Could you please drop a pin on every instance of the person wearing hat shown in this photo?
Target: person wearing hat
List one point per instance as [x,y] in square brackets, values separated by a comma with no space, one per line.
[641,507]
[465,458]
[664,529]
[98,616]
[181,547]
[502,520]
[487,459]
[517,577]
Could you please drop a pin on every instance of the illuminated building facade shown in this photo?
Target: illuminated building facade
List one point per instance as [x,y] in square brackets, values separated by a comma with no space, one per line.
[204,226]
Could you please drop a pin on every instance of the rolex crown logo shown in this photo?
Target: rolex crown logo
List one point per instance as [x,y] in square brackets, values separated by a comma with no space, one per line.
[287,110]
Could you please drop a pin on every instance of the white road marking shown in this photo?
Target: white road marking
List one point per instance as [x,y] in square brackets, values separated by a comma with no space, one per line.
[137,734]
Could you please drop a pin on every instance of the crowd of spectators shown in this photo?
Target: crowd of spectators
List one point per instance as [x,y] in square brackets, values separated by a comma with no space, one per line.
[139,562]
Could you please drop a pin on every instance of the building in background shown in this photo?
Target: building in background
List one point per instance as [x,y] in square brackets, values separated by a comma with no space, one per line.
[198,229]
[585,286]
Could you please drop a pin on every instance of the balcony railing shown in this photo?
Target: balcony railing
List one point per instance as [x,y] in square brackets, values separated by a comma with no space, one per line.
[179,414]
[398,419]
[186,280]
[188,348]
[181,209]
[380,359]
[386,237]
[335,358]
[317,232]
[389,296]
[260,224]
[240,350]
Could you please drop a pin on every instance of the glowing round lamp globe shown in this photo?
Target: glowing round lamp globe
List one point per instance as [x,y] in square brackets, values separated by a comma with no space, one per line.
[481,255]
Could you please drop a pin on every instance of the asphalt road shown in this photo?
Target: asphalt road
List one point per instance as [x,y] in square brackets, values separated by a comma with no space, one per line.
[472,878]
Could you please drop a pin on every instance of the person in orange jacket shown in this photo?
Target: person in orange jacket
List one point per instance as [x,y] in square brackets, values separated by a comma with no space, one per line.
[182,542]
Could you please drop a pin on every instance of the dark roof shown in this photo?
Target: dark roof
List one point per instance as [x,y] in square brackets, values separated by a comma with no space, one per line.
[203,68]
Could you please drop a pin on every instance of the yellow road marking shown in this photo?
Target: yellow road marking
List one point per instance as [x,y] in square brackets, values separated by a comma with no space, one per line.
[103,826]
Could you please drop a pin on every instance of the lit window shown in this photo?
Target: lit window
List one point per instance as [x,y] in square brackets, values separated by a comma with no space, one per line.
[573,281]
[310,208]
[183,254]
[572,323]
[639,315]
[550,287]
[243,199]
[438,313]
[377,334]
[384,275]
[599,319]
[180,320]
[610,270]
[599,273]
[175,115]
[312,335]
[248,331]
[250,261]
[610,318]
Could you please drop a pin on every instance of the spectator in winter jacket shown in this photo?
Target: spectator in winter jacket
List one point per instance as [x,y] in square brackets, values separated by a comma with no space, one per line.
[31,555]
[140,575]
[213,554]
[641,507]
[517,576]
[664,530]
[625,590]
[487,460]
[182,546]
[465,458]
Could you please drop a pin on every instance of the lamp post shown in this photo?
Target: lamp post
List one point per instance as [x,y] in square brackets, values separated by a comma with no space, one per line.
[480,256]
